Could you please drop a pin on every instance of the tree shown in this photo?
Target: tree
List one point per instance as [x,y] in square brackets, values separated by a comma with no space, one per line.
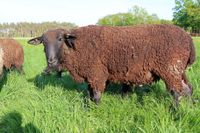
[180,14]
[187,14]
[193,9]
[119,19]
[135,16]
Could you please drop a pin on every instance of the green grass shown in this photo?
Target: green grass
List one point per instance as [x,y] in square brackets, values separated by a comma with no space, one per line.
[33,103]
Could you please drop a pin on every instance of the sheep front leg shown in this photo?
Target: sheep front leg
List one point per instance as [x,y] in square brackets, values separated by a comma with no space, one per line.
[188,90]
[183,89]
[173,82]
[96,86]
[95,95]
[97,81]
[174,85]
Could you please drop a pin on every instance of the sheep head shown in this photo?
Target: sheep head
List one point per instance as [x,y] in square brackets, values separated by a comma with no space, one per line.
[53,41]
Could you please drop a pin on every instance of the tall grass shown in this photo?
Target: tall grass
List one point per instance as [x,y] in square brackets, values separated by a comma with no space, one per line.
[33,103]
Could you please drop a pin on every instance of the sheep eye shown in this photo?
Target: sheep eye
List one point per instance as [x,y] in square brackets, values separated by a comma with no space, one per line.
[60,39]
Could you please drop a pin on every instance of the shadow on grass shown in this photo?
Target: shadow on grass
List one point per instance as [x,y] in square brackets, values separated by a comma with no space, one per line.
[156,90]
[12,123]
[4,76]
[66,82]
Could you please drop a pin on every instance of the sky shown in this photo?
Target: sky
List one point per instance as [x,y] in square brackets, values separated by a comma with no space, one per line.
[80,12]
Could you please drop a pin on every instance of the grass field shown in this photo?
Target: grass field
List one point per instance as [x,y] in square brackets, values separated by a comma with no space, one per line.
[32,103]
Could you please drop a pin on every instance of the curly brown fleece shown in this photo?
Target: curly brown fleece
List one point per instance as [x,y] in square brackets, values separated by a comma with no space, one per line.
[131,55]
[13,53]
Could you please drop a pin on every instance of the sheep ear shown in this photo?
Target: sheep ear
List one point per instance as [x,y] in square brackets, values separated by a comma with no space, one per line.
[69,40]
[70,36]
[35,41]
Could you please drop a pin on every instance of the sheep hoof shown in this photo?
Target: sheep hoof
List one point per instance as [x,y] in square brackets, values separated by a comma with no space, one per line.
[187,89]
[95,95]
[177,97]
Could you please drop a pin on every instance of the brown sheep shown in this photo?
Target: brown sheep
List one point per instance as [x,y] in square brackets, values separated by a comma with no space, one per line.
[13,54]
[130,55]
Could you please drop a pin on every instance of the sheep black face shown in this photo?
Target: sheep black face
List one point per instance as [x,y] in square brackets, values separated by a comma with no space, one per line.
[53,41]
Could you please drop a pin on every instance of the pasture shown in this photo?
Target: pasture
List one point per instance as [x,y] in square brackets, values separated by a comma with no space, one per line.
[33,103]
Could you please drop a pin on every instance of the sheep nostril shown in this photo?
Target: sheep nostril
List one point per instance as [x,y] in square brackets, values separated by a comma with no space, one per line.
[51,61]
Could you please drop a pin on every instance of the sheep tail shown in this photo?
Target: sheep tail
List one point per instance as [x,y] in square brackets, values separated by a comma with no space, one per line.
[1,61]
[192,53]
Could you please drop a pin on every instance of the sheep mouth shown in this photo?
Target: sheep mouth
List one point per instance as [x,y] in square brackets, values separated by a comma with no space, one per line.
[53,64]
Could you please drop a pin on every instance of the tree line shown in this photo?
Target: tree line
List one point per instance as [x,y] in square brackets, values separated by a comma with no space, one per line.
[25,29]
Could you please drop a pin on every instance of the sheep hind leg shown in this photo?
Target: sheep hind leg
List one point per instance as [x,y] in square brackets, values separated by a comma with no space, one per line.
[188,90]
[126,89]
[174,85]
[59,74]
[177,96]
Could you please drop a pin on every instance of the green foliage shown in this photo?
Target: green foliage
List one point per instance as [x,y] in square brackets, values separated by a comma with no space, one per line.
[187,14]
[120,19]
[136,15]
[25,29]
[180,15]
[141,16]
[33,103]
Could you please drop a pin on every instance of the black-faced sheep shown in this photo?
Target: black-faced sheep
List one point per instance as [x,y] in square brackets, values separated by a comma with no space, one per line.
[130,55]
[12,54]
